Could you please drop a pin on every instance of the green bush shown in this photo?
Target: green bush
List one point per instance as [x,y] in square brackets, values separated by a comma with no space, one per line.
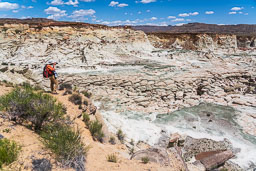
[120,135]
[112,158]
[35,107]
[86,119]
[87,94]
[66,144]
[95,128]
[76,99]
[9,151]
[145,160]
[112,140]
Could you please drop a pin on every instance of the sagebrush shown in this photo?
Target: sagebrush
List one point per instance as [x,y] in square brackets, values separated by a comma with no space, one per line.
[76,99]
[9,151]
[66,144]
[112,158]
[35,107]
[95,128]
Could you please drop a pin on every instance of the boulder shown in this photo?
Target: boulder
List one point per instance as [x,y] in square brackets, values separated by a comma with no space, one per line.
[213,161]
[155,154]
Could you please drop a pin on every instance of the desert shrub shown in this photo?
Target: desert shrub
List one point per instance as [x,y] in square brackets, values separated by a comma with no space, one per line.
[95,128]
[112,158]
[80,107]
[66,144]
[76,99]
[37,108]
[86,103]
[9,151]
[120,135]
[86,119]
[87,94]
[145,160]
[112,140]
[65,86]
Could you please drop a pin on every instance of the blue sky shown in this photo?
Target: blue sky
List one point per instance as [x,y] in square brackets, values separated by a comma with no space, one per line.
[132,12]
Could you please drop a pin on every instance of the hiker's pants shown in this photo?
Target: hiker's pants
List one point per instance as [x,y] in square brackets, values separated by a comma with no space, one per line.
[54,83]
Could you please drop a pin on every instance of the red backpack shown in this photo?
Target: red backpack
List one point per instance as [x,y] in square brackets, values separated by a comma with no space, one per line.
[47,72]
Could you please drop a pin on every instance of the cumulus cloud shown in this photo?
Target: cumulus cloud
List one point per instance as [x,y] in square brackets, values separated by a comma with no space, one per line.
[171,17]
[57,2]
[178,19]
[147,1]
[55,13]
[113,3]
[122,5]
[87,0]
[71,2]
[233,12]
[188,14]
[209,12]
[79,15]
[180,24]
[153,18]
[8,6]
[237,8]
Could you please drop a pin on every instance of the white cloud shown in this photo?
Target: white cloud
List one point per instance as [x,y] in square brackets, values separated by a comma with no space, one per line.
[184,15]
[188,14]
[71,2]
[237,8]
[57,2]
[171,17]
[178,19]
[122,5]
[15,11]
[30,7]
[153,18]
[148,11]
[55,13]
[139,12]
[180,24]
[209,12]
[232,12]
[113,3]
[246,14]
[147,1]
[8,6]
[79,15]
[87,0]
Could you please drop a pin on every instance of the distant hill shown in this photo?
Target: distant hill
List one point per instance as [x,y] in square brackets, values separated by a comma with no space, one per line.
[240,29]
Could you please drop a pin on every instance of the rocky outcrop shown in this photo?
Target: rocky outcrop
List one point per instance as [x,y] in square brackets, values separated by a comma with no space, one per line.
[195,41]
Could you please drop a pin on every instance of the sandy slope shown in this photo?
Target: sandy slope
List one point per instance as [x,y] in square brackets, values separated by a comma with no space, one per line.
[32,147]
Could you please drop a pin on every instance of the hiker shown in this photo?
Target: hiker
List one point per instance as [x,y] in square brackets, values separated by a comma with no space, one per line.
[49,72]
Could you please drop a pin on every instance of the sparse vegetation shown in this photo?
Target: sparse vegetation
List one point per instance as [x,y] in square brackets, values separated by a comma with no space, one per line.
[86,119]
[24,105]
[9,151]
[112,158]
[145,160]
[7,130]
[76,99]
[37,108]
[65,86]
[87,94]
[112,140]
[95,128]
[120,135]
[66,144]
